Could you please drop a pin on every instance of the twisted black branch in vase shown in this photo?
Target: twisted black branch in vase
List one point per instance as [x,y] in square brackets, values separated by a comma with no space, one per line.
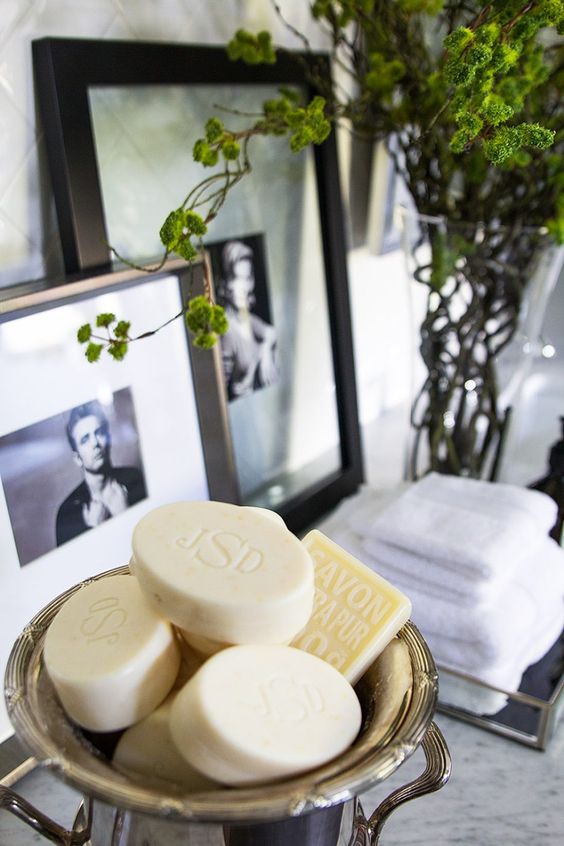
[472,314]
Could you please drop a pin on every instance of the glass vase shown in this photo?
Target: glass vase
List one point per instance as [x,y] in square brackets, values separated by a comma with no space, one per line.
[479,294]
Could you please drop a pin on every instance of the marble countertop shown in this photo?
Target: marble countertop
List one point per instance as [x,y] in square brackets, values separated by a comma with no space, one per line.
[500,793]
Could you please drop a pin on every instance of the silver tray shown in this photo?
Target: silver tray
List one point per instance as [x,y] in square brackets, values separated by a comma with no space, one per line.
[528,715]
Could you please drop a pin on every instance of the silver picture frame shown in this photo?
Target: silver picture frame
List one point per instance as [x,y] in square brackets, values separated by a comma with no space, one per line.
[179,429]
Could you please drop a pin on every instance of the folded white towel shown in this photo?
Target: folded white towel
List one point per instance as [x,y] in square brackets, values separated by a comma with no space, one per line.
[465,525]
[513,630]
[505,676]
[358,511]
[431,576]
[487,635]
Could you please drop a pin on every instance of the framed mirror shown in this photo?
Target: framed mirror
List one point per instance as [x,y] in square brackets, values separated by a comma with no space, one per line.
[120,122]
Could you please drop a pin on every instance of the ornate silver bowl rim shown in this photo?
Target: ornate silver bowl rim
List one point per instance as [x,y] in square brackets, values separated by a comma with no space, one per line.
[48,734]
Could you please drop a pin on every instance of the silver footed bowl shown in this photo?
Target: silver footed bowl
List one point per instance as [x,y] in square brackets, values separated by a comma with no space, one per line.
[394,724]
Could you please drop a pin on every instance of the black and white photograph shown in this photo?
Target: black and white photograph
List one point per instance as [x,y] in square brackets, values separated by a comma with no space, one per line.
[249,349]
[71,472]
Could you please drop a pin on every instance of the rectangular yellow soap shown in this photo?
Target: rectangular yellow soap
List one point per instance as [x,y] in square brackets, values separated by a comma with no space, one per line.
[355,612]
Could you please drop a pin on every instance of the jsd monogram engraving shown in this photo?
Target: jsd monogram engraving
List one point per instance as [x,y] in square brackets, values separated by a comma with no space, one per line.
[287,700]
[104,620]
[221,550]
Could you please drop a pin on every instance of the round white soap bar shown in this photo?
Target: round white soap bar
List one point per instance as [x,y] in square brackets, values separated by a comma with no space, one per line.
[266,512]
[224,572]
[254,714]
[203,646]
[112,659]
[147,748]
[190,661]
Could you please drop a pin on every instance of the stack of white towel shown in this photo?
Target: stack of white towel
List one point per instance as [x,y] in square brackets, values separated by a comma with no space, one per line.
[485,580]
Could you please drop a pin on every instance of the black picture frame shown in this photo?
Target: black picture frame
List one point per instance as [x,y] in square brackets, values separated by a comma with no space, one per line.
[65,71]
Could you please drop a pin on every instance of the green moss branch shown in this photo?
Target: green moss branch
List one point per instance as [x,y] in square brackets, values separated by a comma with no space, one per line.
[466,94]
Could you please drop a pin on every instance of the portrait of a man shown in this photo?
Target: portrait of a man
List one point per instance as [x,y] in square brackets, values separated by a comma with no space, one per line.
[105,490]
[72,472]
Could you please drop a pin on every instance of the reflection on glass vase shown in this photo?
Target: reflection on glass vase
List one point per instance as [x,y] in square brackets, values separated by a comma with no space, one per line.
[486,288]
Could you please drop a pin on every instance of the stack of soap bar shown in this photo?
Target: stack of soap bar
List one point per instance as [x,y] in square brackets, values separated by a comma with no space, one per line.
[219,575]
[147,748]
[224,572]
[112,659]
[255,714]
[203,646]
[190,661]
[356,612]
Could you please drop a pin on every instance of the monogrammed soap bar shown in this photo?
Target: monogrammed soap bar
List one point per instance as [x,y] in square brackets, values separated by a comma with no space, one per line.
[356,612]
[112,659]
[224,572]
[254,714]
[147,748]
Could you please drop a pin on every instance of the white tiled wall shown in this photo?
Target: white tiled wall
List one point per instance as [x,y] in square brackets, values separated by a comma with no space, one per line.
[29,245]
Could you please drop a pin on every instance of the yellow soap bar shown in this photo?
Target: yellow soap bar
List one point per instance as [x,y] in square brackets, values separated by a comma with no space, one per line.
[355,613]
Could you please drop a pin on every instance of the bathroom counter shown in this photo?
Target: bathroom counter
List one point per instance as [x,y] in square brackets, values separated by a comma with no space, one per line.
[500,793]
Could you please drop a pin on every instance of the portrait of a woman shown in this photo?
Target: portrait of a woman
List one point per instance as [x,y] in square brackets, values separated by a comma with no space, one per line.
[249,348]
